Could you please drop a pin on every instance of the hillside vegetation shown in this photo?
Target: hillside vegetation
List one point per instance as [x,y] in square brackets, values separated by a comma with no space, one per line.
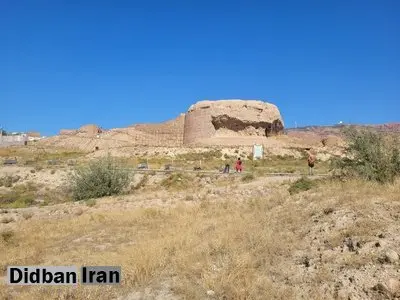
[203,236]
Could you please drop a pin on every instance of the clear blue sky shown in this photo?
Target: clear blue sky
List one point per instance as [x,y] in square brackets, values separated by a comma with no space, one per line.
[65,63]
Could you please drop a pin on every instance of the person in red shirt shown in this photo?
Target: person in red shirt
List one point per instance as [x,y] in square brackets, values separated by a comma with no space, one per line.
[238,166]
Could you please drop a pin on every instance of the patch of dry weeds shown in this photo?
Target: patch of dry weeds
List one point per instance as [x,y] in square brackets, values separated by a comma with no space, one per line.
[238,250]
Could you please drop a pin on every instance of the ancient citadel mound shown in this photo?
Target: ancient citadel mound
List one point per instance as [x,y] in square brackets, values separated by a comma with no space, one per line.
[221,122]
[215,121]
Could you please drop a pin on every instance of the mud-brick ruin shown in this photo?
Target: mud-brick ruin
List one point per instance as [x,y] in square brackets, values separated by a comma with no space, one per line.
[230,121]
[219,123]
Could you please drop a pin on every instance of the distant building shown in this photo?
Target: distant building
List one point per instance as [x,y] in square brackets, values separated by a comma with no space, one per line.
[13,139]
[17,138]
[33,134]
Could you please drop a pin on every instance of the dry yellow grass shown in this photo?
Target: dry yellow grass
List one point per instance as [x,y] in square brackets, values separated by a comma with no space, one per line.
[253,249]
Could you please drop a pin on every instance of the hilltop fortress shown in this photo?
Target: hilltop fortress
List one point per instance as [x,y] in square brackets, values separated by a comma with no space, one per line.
[220,122]
[209,122]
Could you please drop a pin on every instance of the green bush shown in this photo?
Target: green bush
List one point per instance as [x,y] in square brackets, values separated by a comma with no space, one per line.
[20,196]
[102,177]
[370,155]
[395,160]
[91,202]
[301,185]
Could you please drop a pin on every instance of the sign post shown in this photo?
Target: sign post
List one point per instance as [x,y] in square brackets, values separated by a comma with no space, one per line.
[258,151]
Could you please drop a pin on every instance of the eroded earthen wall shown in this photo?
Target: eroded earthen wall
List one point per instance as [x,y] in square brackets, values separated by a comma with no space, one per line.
[198,125]
[203,123]
[169,133]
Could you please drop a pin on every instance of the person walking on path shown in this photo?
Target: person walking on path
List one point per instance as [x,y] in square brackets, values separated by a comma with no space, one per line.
[239,166]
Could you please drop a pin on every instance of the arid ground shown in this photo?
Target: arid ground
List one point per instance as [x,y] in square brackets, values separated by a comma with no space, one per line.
[204,235]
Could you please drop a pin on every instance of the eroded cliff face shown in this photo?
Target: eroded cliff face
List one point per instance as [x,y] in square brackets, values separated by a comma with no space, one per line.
[226,123]
[229,118]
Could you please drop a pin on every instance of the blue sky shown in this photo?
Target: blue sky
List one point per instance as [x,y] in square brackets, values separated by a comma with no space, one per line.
[114,63]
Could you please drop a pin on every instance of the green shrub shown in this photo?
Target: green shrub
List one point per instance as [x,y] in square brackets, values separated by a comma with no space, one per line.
[102,177]
[395,160]
[370,155]
[20,196]
[91,202]
[23,201]
[301,185]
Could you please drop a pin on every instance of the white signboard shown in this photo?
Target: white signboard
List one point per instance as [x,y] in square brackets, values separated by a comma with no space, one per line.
[258,152]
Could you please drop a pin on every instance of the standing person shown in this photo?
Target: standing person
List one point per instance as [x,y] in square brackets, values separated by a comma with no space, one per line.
[226,170]
[311,162]
[238,165]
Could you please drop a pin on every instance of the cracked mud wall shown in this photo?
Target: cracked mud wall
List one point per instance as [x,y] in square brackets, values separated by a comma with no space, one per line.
[204,122]
[197,126]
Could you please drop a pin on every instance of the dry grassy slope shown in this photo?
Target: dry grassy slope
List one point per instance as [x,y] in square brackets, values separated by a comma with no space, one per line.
[222,239]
